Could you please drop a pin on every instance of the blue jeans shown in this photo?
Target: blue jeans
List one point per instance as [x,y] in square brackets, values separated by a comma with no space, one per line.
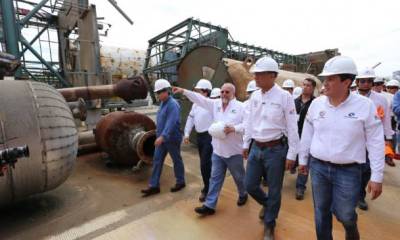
[335,190]
[205,152]
[218,171]
[272,162]
[174,150]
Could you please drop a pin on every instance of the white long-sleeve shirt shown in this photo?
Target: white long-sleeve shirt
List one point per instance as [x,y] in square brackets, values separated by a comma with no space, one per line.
[232,116]
[199,118]
[381,102]
[344,133]
[271,115]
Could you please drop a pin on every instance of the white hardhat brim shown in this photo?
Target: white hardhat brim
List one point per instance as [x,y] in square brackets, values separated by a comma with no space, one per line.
[365,76]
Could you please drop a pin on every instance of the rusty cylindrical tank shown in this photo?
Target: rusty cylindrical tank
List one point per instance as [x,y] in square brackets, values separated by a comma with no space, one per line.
[127,89]
[36,114]
[127,137]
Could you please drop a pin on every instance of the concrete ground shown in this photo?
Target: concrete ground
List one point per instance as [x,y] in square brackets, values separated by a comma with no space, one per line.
[97,202]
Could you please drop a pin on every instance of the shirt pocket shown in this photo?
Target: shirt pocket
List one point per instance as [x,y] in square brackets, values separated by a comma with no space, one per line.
[274,113]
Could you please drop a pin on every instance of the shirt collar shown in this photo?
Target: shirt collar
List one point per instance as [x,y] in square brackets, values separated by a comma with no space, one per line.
[348,99]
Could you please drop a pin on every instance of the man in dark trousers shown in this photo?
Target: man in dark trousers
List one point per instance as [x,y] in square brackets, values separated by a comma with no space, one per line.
[169,138]
[302,104]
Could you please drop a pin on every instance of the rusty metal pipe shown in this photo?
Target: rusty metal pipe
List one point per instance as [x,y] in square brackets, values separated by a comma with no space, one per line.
[127,89]
[126,137]
[88,148]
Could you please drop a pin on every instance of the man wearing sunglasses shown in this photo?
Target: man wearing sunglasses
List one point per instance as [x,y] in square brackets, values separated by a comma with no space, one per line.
[168,140]
[201,119]
[227,141]
[271,125]
[365,81]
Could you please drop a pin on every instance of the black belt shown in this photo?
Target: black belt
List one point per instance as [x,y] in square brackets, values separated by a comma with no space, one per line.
[202,133]
[341,165]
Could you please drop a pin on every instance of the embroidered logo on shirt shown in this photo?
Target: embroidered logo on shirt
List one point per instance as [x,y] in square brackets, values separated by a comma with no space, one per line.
[291,111]
[322,114]
[219,109]
[351,115]
[233,110]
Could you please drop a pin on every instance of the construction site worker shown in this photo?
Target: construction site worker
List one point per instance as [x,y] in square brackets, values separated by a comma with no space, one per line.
[168,140]
[227,139]
[364,81]
[201,119]
[215,93]
[288,85]
[396,112]
[338,131]
[302,104]
[392,86]
[271,120]
[379,84]
[353,86]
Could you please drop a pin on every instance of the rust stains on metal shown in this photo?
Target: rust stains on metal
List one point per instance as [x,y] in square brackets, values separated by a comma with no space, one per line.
[121,134]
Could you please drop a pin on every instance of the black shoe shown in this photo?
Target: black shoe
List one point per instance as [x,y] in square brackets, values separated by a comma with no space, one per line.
[178,187]
[352,233]
[269,232]
[242,200]
[262,213]
[390,162]
[150,191]
[202,197]
[204,210]
[299,194]
[363,205]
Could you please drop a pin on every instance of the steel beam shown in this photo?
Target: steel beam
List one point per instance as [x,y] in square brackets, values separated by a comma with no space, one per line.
[33,12]
[34,40]
[43,61]
[114,3]
[10,30]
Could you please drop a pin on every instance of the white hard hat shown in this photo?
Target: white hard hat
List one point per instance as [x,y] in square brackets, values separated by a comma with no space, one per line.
[216,92]
[251,86]
[339,65]
[161,84]
[203,84]
[366,73]
[379,80]
[217,130]
[288,83]
[353,84]
[297,92]
[393,83]
[265,64]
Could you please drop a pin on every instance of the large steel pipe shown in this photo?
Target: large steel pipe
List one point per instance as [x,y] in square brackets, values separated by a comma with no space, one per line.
[126,137]
[37,115]
[127,89]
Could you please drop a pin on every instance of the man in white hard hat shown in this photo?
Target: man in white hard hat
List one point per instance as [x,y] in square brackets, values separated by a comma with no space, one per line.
[379,84]
[288,85]
[215,93]
[270,126]
[201,119]
[392,86]
[302,104]
[364,81]
[168,140]
[227,138]
[338,131]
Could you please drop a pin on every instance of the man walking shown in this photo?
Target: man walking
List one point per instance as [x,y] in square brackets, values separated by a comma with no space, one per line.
[271,125]
[168,140]
[339,129]
[227,139]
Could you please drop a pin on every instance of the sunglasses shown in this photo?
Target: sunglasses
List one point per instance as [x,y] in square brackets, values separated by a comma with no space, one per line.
[392,87]
[365,80]
[227,92]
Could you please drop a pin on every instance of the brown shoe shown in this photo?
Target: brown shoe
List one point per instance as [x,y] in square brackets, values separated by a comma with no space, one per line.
[390,162]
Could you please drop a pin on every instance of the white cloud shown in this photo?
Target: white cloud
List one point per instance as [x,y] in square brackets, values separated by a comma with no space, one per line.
[366,30]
